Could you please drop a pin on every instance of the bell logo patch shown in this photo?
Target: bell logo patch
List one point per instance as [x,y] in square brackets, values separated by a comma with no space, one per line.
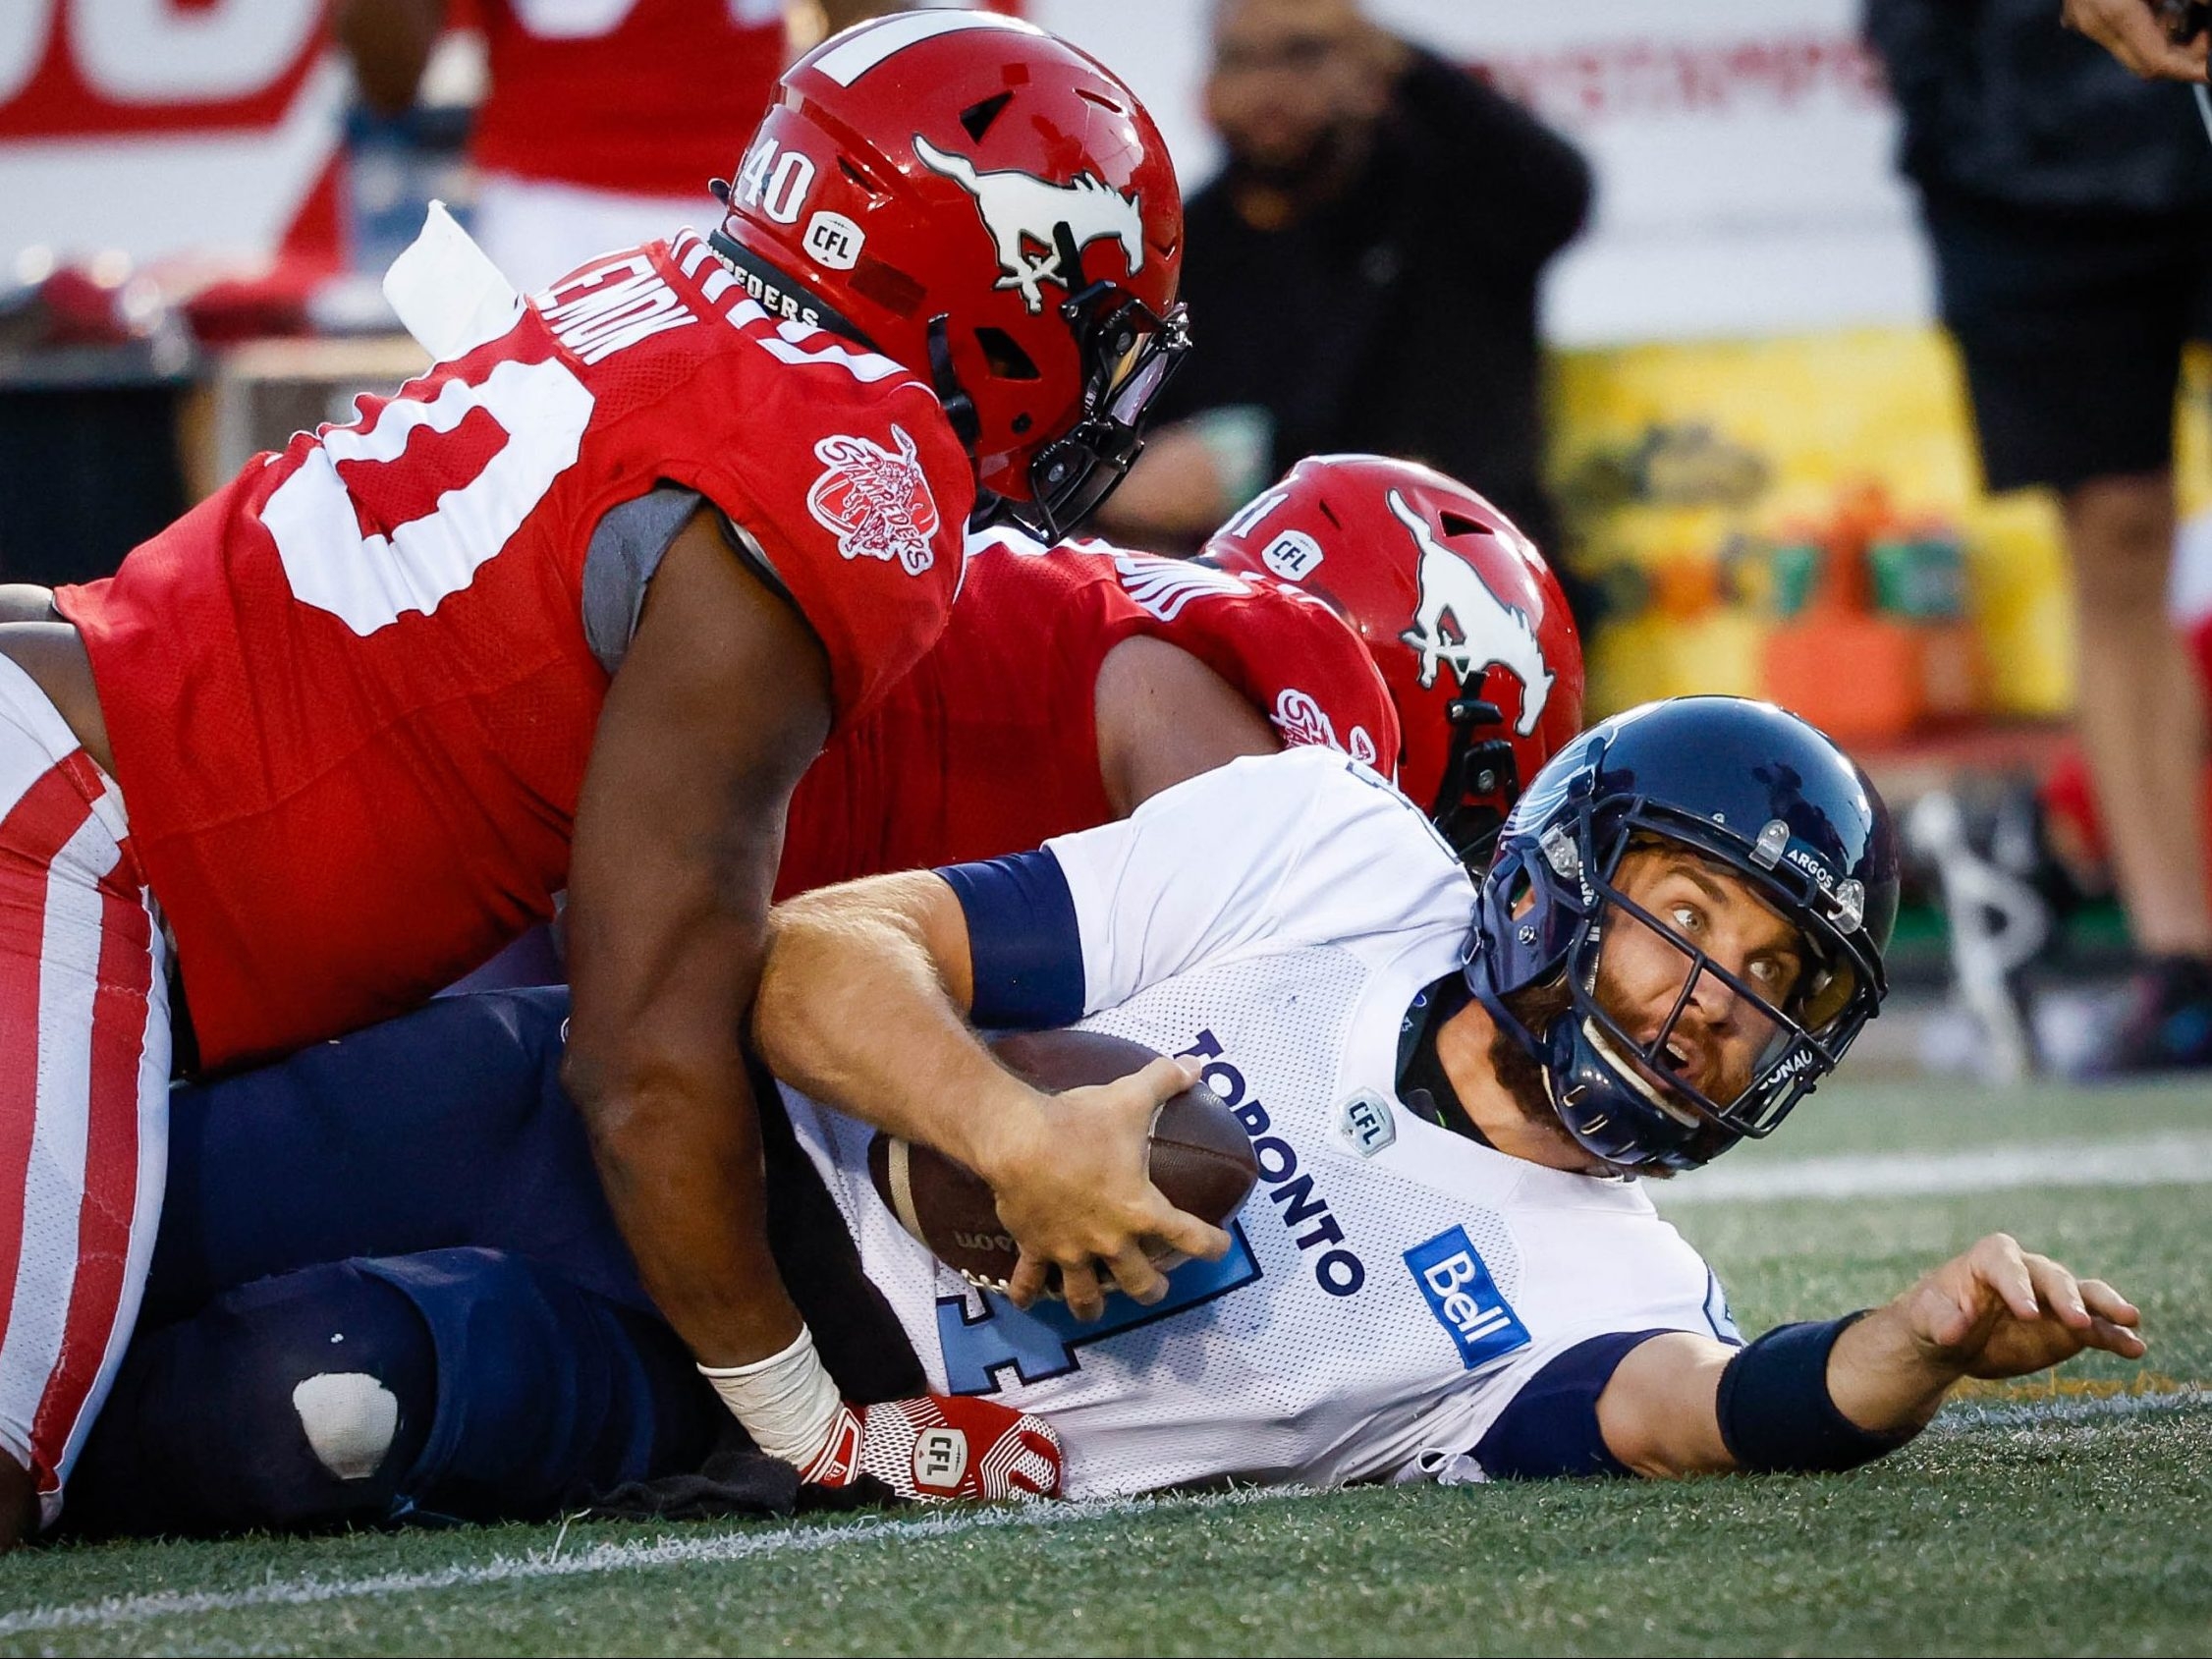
[1466,1299]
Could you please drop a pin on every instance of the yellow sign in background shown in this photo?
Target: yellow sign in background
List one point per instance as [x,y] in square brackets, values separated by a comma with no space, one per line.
[1683,464]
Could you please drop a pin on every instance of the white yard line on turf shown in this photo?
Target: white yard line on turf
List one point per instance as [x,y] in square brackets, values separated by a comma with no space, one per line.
[2180,1157]
[1966,1416]
[758,1544]
[719,1547]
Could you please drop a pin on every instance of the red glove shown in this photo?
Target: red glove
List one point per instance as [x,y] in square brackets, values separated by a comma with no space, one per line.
[936,1449]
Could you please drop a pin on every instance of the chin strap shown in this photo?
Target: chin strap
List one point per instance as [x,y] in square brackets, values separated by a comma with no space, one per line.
[944,380]
[1484,767]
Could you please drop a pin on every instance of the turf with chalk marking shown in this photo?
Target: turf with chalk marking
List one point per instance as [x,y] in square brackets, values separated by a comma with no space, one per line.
[2035,1518]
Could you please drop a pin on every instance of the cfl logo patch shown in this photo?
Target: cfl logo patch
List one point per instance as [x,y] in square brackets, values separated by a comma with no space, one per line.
[940,1459]
[1367,1124]
[834,240]
[1465,1299]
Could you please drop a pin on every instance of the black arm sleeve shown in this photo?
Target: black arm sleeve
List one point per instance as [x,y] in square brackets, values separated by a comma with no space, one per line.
[1024,940]
[1776,1414]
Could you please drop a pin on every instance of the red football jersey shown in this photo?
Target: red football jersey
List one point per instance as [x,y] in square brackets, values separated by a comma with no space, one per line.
[351,696]
[990,745]
[647,97]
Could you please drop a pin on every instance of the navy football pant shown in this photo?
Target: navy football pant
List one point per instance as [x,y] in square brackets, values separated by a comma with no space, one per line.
[464,1383]
[445,1126]
[387,1285]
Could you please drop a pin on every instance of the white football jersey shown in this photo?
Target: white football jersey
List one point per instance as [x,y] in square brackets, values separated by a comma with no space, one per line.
[1392,1285]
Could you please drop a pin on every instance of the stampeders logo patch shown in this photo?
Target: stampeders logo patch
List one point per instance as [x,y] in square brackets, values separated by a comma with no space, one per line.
[875,502]
[1485,630]
[1301,719]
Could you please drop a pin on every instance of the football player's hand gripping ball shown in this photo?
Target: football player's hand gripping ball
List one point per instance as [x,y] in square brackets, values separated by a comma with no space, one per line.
[1074,1190]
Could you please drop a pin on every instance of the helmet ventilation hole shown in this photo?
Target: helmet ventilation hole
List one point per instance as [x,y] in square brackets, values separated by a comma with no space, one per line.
[1008,361]
[1459,524]
[978,116]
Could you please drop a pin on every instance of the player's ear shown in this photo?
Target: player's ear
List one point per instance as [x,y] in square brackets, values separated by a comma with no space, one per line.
[1525,900]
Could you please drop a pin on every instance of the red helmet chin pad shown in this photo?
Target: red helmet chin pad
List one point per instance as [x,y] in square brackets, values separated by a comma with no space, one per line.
[942,164]
[1455,603]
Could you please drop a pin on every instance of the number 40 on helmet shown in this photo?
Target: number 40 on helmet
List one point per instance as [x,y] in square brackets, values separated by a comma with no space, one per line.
[992,208]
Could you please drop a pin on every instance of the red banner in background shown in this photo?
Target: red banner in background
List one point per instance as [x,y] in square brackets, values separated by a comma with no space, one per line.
[1620,79]
[109,68]
[160,130]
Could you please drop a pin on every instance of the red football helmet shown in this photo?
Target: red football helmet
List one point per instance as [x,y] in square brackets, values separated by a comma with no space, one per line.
[1465,619]
[991,208]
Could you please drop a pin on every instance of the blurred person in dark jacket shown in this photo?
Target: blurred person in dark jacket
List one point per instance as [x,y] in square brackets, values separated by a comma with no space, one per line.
[1362,274]
[2069,210]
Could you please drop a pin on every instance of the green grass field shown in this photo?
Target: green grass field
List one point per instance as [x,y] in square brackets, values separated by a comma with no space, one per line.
[2075,1517]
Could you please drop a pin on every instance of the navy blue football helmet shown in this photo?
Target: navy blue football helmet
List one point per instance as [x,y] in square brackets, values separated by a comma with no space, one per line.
[1742,786]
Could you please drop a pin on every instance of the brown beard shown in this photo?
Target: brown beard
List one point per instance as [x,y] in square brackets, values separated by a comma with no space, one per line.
[1521,1075]
[1520,1072]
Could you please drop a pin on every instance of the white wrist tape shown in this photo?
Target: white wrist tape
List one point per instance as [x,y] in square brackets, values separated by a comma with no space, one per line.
[786,1402]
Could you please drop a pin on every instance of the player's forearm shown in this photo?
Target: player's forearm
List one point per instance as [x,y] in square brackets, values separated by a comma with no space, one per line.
[678,1155]
[853,1011]
[1884,1378]
[1802,1398]
[1832,1395]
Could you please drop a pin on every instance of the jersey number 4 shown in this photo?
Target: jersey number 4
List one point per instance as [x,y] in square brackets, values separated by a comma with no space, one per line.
[1041,1342]
[453,474]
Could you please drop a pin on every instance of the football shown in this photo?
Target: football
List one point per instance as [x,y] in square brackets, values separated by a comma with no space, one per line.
[1200,1158]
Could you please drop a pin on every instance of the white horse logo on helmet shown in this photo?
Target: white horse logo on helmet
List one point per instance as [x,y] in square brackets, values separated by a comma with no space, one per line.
[1491,633]
[1023,214]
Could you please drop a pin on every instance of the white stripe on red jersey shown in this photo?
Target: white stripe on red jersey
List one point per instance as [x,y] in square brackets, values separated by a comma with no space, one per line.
[84,1085]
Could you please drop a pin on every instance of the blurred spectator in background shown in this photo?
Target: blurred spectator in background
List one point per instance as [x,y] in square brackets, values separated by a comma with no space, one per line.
[603,120]
[2070,208]
[1361,275]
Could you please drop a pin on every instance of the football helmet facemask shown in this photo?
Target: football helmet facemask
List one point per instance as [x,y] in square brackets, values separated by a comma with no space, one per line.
[1749,791]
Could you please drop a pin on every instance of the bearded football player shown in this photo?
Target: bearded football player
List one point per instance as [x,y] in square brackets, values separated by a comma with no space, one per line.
[1449,1269]
[349,725]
